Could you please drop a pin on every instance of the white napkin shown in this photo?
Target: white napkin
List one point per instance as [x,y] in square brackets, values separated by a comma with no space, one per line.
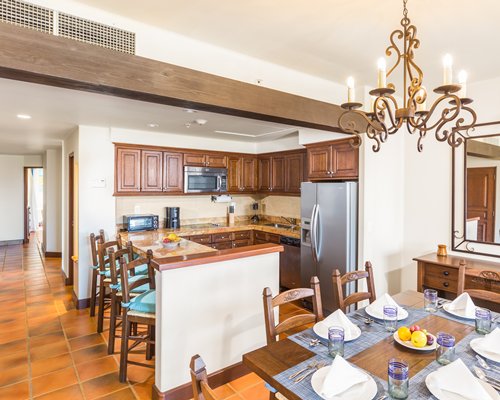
[490,343]
[456,378]
[338,318]
[341,377]
[463,304]
[384,300]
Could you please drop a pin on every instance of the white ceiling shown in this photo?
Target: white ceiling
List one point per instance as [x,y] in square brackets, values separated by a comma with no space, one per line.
[332,39]
[55,112]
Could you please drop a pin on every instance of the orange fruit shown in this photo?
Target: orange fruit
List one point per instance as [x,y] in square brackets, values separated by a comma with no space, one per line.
[419,339]
[404,333]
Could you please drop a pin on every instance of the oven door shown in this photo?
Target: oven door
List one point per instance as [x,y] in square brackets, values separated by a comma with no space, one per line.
[145,223]
[201,182]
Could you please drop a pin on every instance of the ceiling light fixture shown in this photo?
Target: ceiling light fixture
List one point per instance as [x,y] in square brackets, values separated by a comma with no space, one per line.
[188,110]
[23,116]
[449,116]
[152,125]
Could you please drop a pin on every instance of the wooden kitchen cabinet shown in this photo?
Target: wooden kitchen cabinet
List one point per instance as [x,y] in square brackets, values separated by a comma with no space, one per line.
[151,171]
[173,177]
[332,160]
[294,172]
[127,170]
[278,174]
[265,237]
[242,174]
[264,174]
[205,160]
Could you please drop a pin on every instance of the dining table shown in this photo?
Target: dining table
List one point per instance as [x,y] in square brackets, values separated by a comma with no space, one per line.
[275,362]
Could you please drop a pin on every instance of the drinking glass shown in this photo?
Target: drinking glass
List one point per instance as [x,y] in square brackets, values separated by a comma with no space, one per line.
[483,320]
[398,378]
[390,318]
[445,351]
[336,341]
[430,300]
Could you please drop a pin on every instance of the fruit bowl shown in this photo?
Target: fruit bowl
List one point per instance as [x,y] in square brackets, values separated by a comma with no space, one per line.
[410,344]
[170,245]
[170,242]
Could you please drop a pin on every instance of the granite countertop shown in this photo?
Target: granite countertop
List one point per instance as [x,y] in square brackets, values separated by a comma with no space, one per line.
[143,241]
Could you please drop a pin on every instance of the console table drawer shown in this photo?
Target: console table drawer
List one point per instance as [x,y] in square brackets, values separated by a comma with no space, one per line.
[439,272]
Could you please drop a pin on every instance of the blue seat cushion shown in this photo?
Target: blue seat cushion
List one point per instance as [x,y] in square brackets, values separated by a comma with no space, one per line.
[145,302]
[141,269]
[132,279]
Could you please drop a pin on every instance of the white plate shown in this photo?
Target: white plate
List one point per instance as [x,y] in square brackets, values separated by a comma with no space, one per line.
[481,352]
[409,345]
[362,391]
[321,329]
[440,395]
[459,314]
[402,313]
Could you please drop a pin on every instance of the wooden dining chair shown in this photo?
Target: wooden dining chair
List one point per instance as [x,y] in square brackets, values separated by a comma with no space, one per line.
[199,380]
[270,302]
[339,283]
[95,269]
[140,310]
[488,280]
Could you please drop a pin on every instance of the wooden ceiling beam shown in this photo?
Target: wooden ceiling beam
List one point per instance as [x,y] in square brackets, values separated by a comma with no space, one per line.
[31,56]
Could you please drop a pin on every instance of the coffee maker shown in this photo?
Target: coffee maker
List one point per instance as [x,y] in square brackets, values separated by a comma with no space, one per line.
[173,218]
[255,219]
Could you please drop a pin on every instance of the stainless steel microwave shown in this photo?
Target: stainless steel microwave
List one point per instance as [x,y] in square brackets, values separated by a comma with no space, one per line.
[205,180]
[140,222]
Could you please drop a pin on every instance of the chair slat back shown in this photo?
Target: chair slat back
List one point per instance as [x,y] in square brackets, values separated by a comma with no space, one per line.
[199,380]
[273,329]
[488,279]
[102,250]
[113,256]
[125,267]
[93,245]
[339,281]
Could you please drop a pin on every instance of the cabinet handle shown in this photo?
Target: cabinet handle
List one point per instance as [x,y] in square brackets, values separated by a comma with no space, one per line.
[446,273]
[446,284]
[208,162]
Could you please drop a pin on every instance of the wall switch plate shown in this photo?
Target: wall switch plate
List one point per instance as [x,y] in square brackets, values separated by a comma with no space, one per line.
[98,183]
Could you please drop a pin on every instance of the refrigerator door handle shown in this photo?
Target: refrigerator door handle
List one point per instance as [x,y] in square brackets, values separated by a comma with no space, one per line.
[313,233]
[317,235]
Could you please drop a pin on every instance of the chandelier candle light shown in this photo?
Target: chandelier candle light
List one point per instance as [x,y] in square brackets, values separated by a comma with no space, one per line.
[449,116]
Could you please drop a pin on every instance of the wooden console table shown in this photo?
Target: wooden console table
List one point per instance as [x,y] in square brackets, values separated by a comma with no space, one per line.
[441,273]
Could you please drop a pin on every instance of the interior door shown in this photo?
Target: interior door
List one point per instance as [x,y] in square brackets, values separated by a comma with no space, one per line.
[481,184]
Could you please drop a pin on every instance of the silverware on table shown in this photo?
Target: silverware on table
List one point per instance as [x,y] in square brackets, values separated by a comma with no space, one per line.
[488,379]
[304,376]
[309,366]
[366,320]
[484,364]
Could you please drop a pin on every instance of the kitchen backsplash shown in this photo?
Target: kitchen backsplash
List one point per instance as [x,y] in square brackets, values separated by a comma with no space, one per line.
[199,209]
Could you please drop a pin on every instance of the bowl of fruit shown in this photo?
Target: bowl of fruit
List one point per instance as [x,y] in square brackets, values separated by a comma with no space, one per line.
[415,338]
[171,241]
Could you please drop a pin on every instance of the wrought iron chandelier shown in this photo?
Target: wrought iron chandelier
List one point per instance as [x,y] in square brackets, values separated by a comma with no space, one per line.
[449,116]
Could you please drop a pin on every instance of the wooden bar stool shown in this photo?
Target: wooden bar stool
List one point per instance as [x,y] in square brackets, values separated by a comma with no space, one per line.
[340,281]
[95,269]
[199,380]
[136,311]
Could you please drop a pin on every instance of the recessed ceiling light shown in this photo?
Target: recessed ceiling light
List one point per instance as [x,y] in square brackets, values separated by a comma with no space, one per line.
[23,116]
[153,125]
[188,110]
[200,121]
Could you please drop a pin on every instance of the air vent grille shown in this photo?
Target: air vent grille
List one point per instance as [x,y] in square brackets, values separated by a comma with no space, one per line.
[95,33]
[27,15]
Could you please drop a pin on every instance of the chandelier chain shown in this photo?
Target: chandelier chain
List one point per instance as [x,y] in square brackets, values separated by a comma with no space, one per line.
[405,9]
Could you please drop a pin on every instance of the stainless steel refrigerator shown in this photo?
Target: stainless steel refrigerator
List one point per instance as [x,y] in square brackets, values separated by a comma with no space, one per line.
[328,234]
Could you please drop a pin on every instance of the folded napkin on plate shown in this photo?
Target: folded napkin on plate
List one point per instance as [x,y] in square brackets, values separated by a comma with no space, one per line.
[456,378]
[490,343]
[340,377]
[463,304]
[384,300]
[338,318]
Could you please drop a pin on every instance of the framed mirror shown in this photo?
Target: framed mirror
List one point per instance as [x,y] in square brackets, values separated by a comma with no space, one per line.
[476,192]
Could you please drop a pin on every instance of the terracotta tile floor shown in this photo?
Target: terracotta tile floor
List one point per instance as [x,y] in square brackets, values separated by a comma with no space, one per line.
[50,350]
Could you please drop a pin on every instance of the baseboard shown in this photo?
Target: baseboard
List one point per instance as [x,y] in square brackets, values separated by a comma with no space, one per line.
[11,242]
[53,254]
[216,379]
[80,303]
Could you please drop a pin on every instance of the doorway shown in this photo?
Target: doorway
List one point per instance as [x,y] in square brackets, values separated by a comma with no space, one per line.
[33,203]
[481,187]
[71,217]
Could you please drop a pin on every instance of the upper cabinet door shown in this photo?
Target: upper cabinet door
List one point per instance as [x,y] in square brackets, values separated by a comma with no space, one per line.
[216,161]
[128,170]
[264,174]
[249,174]
[234,174]
[152,171]
[278,174]
[294,169]
[319,161]
[197,160]
[344,161]
[173,172]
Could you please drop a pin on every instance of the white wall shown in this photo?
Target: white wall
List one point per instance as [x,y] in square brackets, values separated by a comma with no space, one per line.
[52,200]
[35,160]
[12,197]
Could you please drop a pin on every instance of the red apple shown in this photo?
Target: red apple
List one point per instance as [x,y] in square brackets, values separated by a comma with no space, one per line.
[414,328]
